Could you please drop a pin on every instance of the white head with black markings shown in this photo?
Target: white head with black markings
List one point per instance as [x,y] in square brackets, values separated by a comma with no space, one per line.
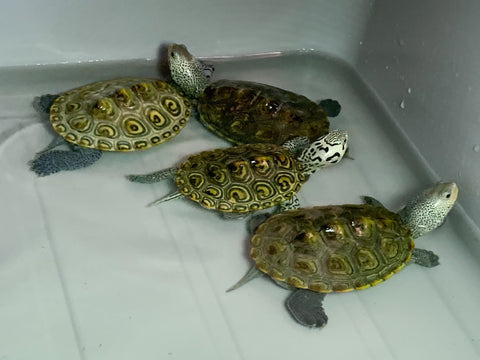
[325,151]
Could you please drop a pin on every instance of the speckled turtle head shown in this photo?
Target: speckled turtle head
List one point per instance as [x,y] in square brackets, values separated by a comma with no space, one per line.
[325,151]
[426,211]
[186,70]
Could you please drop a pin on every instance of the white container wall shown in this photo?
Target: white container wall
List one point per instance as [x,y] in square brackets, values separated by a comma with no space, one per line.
[88,272]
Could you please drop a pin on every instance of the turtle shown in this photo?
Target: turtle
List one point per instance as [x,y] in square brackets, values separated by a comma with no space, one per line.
[250,177]
[121,114]
[245,112]
[339,248]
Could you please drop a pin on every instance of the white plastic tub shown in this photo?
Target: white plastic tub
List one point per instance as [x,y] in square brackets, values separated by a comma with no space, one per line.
[88,272]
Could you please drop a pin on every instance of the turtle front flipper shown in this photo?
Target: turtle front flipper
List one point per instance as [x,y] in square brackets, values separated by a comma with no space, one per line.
[424,258]
[332,107]
[154,176]
[51,162]
[306,308]
[43,103]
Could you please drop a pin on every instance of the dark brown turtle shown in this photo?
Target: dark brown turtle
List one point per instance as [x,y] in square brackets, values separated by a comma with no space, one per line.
[244,112]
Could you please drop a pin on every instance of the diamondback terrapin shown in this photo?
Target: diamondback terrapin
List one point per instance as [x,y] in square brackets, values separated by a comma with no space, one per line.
[250,177]
[244,112]
[340,248]
[124,114]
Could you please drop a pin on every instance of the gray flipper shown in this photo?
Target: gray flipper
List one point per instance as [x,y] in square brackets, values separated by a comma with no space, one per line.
[372,201]
[331,107]
[306,308]
[53,161]
[43,103]
[172,196]
[251,274]
[154,176]
[291,204]
[424,258]
[296,145]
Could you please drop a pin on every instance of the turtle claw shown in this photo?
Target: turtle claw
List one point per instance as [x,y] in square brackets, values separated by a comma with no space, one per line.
[306,308]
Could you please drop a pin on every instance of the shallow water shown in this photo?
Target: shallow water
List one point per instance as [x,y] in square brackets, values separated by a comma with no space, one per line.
[88,272]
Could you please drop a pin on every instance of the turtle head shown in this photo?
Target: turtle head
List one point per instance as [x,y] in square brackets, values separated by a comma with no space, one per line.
[325,151]
[186,70]
[428,210]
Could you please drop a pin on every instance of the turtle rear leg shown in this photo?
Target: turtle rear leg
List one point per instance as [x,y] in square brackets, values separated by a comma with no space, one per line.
[154,176]
[306,308]
[424,258]
[371,201]
[44,103]
[53,161]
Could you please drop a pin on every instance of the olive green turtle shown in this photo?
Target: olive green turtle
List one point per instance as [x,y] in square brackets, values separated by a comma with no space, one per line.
[340,248]
[122,114]
[244,112]
[246,178]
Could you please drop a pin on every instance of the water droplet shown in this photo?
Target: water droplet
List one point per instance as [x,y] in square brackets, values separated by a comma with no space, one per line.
[409,90]
[401,42]
[402,104]
[361,42]
[387,67]
[476,148]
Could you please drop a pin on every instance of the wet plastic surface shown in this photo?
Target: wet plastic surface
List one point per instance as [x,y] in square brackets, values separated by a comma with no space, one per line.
[88,272]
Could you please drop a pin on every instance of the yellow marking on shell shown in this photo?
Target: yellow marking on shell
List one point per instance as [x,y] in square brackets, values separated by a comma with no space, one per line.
[123,98]
[261,164]
[285,181]
[343,290]
[297,282]
[263,190]
[103,145]
[276,274]
[320,287]
[339,265]
[305,266]
[208,203]
[238,194]
[140,145]
[107,131]
[86,141]
[213,191]
[376,282]
[196,180]
[104,108]
[59,128]
[256,240]
[134,127]
[366,259]
[362,287]
[155,140]
[172,106]
[166,134]
[400,267]
[72,107]
[238,169]
[80,123]
[157,118]
[388,276]
[71,137]
[123,146]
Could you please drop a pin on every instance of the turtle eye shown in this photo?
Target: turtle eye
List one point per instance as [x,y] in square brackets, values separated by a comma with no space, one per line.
[448,195]
[172,54]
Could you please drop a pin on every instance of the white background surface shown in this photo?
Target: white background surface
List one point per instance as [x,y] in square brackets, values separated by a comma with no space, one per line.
[87,272]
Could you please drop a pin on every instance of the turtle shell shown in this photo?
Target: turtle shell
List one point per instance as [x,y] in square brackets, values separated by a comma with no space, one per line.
[332,248]
[242,178]
[124,114]
[244,112]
